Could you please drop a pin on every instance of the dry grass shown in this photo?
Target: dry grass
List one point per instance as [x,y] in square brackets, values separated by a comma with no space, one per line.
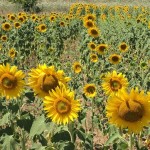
[63,5]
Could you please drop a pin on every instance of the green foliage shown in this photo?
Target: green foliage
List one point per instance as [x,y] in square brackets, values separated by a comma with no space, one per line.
[27,5]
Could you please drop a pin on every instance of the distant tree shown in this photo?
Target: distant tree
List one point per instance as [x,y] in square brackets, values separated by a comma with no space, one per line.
[27,5]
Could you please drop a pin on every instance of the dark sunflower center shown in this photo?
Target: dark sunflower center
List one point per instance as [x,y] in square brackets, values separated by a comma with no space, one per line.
[62,24]
[94,32]
[102,48]
[12,18]
[93,46]
[4,38]
[12,53]
[90,18]
[123,46]
[48,83]
[90,89]
[8,81]
[43,27]
[77,67]
[115,85]
[131,111]
[89,24]
[17,24]
[63,106]
[7,26]
[115,58]
[21,19]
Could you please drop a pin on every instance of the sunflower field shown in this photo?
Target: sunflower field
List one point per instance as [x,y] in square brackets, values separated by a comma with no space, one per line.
[78,80]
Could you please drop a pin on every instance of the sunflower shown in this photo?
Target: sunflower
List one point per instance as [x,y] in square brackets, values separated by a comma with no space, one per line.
[77,67]
[62,23]
[92,46]
[52,17]
[4,38]
[101,48]
[88,23]
[42,28]
[21,19]
[90,17]
[123,47]
[114,59]
[11,81]
[33,17]
[17,25]
[93,58]
[89,90]
[11,17]
[6,26]
[61,106]
[114,83]
[129,110]
[43,79]
[12,53]
[94,32]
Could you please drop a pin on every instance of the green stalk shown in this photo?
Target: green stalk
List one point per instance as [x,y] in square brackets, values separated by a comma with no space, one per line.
[22,130]
[130,142]
[92,123]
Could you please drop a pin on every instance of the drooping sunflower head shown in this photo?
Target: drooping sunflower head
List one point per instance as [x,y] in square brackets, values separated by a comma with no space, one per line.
[6,26]
[44,79]
[92,46]
[101,48]
[88,23]
[114,59]
[11,81]
[4,38]
[129,110]
[93,58]
[94,32]
[89,90]
[60,105]
[77,67]
[42,28]
[17,25]
[114,83]
[123,47]
[12,53]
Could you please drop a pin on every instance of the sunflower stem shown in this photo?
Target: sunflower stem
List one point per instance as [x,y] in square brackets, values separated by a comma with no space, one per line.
[130,142]
[70,127]
[92,123]
[22,130]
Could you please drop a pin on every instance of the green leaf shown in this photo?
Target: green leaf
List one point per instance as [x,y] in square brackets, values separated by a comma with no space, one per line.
[8,143]
[112,138]
[38,126]
[5,119]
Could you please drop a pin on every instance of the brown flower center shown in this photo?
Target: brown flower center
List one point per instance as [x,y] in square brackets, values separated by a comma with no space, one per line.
[93,46]
[131,111]
[123,46]
[90,89]
[8,81]
[63,106]
[7,26]
[43,27]
[115,85]
[94,32]
[90,24]
[102,48]
[48,82]
[115,58]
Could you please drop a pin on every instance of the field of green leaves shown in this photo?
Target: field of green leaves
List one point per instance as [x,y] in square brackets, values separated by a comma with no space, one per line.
[78,80]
